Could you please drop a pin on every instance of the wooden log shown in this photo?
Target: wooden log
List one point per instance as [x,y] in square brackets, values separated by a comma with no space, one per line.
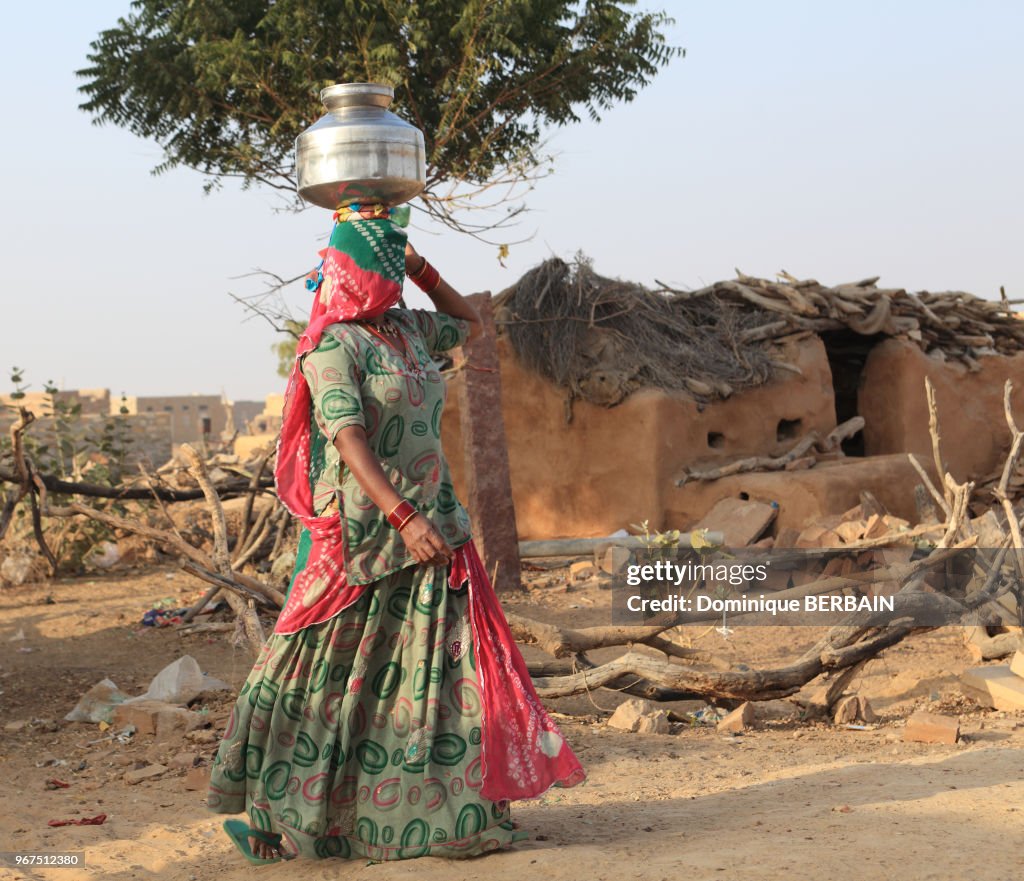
[245,610]
[563,642]
[583,547]
[226,490]
[489,483]
[23,478]
[748,684]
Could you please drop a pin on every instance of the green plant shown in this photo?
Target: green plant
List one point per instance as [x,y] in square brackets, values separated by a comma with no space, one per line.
[224,86]
[18,381]
[65,416]
[657,542]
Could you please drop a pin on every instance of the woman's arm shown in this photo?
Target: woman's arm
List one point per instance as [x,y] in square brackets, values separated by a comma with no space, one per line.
[446,299]
[421,538]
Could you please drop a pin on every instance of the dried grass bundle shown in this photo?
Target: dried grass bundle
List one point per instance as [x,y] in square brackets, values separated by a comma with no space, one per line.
[602,338]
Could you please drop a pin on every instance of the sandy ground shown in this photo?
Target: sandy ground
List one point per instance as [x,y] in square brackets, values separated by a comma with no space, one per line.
[791,799]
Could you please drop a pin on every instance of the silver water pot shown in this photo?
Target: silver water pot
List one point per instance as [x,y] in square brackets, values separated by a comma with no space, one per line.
[359,151]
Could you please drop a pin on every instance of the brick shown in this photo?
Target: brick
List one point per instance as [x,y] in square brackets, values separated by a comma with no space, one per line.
[818,537]
[655,722]
[851,530]
[147,773]
[616,559]
[925,727]
[846,710]
[866,711]
[629,716]
[581,571]
[995,686]
[738,720]
[1017,664]
[140,714]
[875,527]
[156,717]
[741,521]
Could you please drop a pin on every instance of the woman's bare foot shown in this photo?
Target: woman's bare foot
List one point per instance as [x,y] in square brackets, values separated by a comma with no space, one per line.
[263,851]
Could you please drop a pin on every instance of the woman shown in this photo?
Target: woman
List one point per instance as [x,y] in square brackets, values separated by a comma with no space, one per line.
[390,714]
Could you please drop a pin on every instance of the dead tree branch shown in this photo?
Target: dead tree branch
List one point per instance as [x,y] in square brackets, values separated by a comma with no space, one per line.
[245,610]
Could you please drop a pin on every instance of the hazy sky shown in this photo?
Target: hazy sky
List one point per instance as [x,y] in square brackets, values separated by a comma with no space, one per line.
[831,140]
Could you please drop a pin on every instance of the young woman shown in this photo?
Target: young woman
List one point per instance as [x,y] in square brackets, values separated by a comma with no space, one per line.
[390,715]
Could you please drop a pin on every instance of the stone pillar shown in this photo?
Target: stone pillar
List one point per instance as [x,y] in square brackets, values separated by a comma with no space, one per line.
[488,481]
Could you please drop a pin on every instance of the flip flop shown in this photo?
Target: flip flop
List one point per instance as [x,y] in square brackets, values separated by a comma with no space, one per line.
[239,832]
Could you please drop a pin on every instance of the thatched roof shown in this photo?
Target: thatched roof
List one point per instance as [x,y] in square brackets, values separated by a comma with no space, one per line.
[601,338]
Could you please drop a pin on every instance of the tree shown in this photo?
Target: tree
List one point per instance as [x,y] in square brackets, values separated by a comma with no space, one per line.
[284,350]
[225,86]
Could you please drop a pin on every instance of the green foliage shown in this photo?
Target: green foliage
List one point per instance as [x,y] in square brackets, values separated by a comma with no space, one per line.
[18,381]
[224,86]
[285,349]
[64,415]
[657,541]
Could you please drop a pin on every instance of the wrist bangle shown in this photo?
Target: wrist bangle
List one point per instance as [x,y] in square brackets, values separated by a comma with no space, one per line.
[401,526]
[427,279]
[401,514]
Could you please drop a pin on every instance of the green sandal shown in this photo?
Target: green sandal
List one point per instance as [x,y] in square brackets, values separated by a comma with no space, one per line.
[239,833]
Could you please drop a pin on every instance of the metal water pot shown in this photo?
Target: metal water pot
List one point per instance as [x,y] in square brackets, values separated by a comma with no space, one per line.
[359,151]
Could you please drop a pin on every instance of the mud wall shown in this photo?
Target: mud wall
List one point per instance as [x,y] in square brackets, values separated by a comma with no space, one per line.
[975,437]
[609,468]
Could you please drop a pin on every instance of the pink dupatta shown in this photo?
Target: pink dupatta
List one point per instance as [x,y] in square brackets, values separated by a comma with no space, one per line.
[522,751]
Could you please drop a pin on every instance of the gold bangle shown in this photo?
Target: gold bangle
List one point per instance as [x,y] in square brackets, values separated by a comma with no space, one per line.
[401,525]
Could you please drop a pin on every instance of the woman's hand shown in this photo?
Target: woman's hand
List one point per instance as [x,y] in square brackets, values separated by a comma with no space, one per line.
[446,299]
[425,542]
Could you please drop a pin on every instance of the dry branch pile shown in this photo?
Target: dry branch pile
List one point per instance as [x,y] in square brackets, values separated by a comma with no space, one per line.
[231,561]
[952,324]
[602,338]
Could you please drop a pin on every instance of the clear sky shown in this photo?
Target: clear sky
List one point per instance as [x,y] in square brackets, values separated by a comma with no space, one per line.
[831,140]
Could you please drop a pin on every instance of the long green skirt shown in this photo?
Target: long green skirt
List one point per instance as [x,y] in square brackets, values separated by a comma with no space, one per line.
[360,737]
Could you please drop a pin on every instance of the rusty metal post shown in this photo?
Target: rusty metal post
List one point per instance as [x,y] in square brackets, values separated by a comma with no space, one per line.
[488,480]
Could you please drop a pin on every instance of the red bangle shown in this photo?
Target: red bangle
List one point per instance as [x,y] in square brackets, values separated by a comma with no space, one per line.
[426,278]
[402,513]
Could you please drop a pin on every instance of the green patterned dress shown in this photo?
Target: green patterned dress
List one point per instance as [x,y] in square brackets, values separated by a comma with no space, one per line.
[359,737]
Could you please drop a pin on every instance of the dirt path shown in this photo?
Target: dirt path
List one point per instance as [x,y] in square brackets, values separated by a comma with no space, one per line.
[789,800]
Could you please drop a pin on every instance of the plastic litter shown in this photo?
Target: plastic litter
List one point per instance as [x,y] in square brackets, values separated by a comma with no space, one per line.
[178,683]
[98,820]
[97,704]
[16,568]
[105,555]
